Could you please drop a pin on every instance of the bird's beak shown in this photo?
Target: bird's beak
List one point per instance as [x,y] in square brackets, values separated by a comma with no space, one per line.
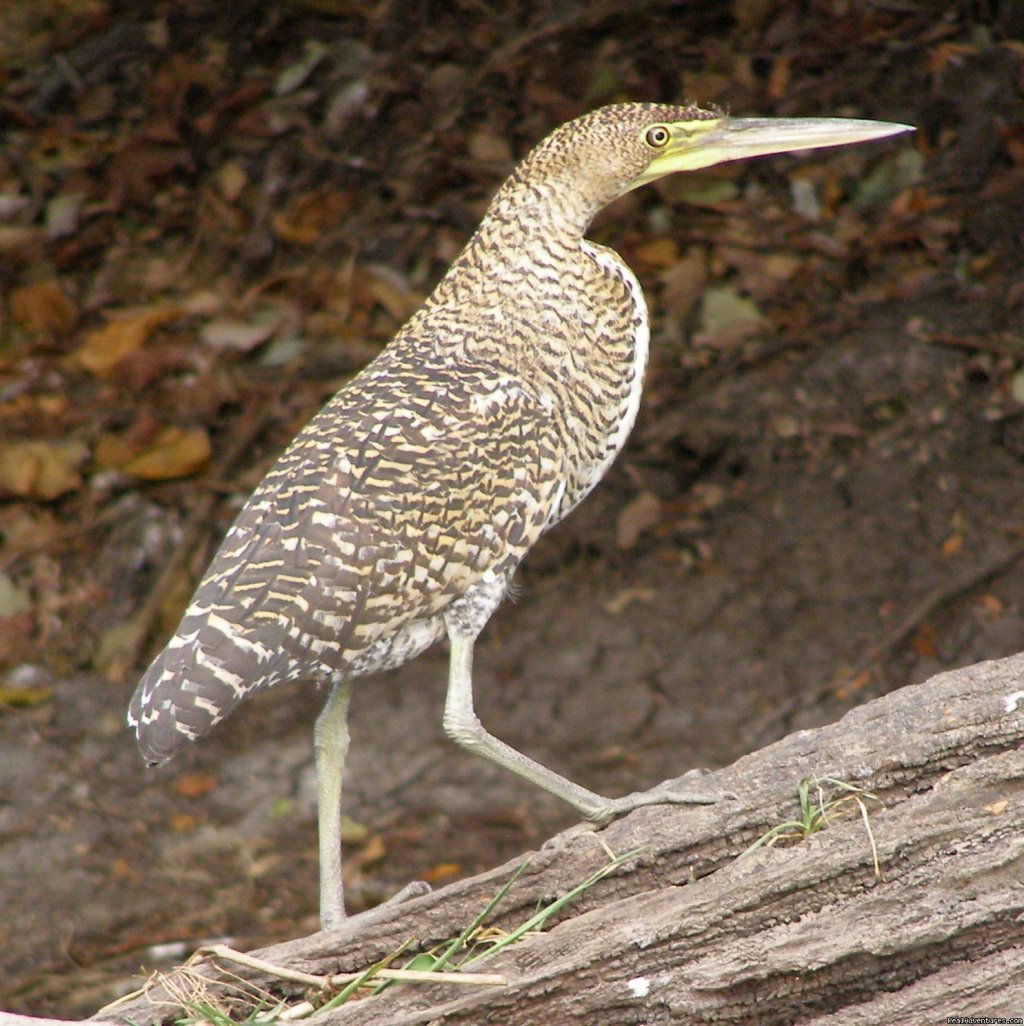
[698,144]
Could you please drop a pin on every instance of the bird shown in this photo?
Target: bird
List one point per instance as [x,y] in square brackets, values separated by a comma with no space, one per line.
[398,516]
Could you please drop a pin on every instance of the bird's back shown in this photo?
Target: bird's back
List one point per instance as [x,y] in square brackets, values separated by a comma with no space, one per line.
[416,480]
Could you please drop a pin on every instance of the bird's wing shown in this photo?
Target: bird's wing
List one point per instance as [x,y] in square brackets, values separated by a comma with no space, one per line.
[385,509]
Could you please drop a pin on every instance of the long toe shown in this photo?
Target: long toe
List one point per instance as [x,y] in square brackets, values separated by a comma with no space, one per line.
[413,889]
[351,926]
[684,790]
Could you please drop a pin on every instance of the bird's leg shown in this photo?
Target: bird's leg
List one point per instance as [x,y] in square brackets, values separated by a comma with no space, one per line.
[330,745]
[462,725]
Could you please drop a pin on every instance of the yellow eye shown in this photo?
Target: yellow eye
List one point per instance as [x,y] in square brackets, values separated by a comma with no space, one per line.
[657,136]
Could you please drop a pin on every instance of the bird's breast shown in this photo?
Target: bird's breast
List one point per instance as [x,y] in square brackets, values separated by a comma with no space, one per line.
[600,375]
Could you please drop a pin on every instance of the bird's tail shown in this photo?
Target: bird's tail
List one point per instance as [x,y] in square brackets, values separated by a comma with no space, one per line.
[193,684]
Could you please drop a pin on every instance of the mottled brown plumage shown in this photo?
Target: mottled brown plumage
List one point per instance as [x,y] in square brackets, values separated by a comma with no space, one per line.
[401,512]
[488,417]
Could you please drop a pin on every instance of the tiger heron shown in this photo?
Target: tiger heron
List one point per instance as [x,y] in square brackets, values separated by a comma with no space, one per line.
[400,513]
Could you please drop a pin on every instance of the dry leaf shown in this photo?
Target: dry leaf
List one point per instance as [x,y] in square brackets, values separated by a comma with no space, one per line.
[23,527]
[441,871]
[637,516]
[194,785]
[683,283]
[12,203]
[309,216]
[353,832]
[175,452]
[778,77]
[43,308]
[117,650]
[923,642]
[62,214]
[490,149]
[391,290]
[704,496]
[727,318]
[952,545]
[780,266]
[41,469]
[21,242]
[231,179]
[785,425]
[136,172]
[851,687]
[120,869]
[113,451]
[241,336]
[295,75]
[372,851]
[107,346]
[13,600]
[25,698]
[627,597]
[725,310]
[661,252]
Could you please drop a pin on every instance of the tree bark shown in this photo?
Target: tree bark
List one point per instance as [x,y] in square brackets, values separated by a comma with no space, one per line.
[691,931]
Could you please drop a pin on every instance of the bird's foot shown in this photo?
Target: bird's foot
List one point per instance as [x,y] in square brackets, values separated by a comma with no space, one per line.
[413,889]
[371,916]
[684,790]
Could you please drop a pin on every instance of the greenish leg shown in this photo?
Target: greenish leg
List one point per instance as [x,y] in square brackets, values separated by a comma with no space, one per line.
[330,745]
[462,725]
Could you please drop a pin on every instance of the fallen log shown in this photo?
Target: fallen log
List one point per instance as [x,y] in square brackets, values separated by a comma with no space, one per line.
[910,910]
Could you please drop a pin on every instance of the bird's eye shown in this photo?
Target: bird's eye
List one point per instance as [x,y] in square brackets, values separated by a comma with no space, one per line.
[657,136]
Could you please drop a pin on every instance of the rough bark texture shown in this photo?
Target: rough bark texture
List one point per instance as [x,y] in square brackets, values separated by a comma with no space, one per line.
[689,932]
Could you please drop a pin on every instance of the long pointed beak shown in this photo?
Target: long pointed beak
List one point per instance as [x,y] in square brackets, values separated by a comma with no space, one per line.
[697,144]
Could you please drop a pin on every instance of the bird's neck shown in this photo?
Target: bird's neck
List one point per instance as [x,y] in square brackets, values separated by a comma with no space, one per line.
[553,207]
[531,230]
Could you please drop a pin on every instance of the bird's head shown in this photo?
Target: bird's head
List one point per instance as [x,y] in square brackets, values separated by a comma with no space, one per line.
[616,149]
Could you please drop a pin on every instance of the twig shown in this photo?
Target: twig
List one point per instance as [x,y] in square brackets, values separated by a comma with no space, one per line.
[335,979]
[1004,344]
[968,581]
[11,1019]
[939,597]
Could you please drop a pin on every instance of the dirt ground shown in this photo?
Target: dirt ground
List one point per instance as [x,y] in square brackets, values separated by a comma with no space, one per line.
[208,220]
